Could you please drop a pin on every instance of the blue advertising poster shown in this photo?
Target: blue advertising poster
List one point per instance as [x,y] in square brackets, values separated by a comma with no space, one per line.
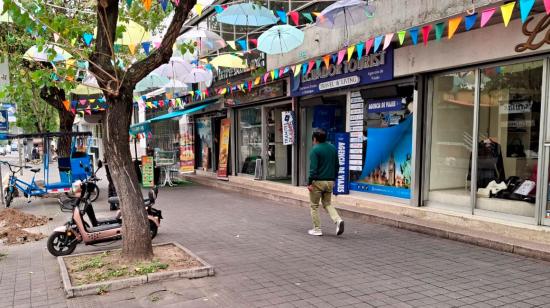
[341,186]
[387,168]
[385,105]
[4,123]
[369,69]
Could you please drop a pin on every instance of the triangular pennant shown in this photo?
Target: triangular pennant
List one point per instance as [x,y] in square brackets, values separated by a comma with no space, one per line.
[368,45]
[308,17]
[257,81]
[129,3]
[387,40]
[164,4]
[297,70]
[304,68]
[426,34]
[414,35]
[401,35]
[439,29]
[295,17]
[334,57]
[266,76]
[470,21]
[88,37]
[254,41]
[360,47]
[318,63]
[453,26]
[147,4]
[55,37]
[276,73]
[547,6]
[378,42]
[487,14]
[242,43]
[286,70]
[88,111]
[132,48]
[218,8]
[507,10]
[198,9]
[232,44]
[117,47]
[310,66]
[351,49]
[341,55]
[525,7]
[326,59]
[146,47]
[67,105]
[282,16]
[272,74]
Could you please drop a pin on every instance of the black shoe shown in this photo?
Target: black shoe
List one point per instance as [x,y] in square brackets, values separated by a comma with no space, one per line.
[340,227]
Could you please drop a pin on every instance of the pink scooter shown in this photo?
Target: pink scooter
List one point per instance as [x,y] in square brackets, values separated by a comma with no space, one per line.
[64,239]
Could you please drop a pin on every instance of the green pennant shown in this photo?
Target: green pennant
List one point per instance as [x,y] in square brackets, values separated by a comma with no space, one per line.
[129,3]
[401,35]
[308,17]
[439,28]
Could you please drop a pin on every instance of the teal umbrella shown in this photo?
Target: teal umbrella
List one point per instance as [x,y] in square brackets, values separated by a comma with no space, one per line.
[150,82]
[247,14]
[280,39]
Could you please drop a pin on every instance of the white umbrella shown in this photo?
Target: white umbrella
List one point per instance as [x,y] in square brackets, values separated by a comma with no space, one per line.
[198,75]
[342,13]
[33,54]
[177,68]
[207,40]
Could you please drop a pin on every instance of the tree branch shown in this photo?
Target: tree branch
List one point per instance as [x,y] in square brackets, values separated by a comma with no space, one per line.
[107,18]
[141,69]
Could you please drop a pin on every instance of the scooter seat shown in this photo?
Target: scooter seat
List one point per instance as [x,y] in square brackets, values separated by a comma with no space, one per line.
[104,227]
[35,170]
[113,200]
[107,221]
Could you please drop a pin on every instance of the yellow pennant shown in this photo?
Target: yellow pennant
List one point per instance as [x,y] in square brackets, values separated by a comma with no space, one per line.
[257,81]
[132,48]
[453,25]
[350,52]
[297,70]
[507,10]
[198,9]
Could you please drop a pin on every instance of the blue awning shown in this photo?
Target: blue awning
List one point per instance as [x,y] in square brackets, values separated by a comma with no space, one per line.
[178,113]
[140,128]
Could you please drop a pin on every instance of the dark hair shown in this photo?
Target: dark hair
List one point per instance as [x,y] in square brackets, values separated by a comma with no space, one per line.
[320,135]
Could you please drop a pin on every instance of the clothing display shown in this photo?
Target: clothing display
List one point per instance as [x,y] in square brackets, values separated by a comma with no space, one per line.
[490,165]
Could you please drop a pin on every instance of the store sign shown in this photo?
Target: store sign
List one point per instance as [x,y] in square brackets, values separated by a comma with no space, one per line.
[385,105]
[147,171]
[4,123]
[356,125]
[269,91]
[516,107]
[225,129]
[341,186]
[537,37]
[369,69]
[187,146]
[255,60]
[289,130]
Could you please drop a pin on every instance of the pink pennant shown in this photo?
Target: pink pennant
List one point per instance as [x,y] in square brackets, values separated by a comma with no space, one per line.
[266,75]
[387,40]
[310,66]
[488,13]
[368,45]
[177,2]
[547,6]
[341,55]
[426,34]
[156,44]
[295,17]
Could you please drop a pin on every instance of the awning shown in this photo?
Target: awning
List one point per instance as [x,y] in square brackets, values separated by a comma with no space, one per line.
[178,113]
[140,128]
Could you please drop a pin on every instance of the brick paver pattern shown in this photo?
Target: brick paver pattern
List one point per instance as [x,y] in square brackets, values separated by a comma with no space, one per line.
[264,258]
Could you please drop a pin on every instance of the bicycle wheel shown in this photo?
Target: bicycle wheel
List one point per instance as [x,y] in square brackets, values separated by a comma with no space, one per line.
[9,196]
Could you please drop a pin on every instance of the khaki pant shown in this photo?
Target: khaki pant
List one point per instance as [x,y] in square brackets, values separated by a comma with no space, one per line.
[322,191]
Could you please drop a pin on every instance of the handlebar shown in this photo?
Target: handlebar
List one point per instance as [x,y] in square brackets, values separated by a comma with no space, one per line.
[10,166]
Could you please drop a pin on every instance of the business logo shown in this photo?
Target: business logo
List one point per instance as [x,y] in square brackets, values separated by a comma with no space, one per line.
[537,37]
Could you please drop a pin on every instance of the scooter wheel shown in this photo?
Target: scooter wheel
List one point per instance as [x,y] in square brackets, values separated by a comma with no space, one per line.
[58,244]
[153,229]
[94,194]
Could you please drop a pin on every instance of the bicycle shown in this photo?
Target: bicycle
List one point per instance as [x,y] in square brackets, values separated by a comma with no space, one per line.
[15,184]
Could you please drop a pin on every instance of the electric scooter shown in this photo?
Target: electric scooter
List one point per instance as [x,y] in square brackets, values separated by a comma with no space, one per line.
[64,239]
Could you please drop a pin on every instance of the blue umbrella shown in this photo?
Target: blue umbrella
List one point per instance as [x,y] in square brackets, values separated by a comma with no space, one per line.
[247,14]
[280,39]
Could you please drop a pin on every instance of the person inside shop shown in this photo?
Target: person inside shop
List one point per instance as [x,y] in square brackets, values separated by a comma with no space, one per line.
[322,174]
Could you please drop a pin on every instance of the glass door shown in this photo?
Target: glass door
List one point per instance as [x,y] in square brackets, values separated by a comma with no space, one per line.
[277,156]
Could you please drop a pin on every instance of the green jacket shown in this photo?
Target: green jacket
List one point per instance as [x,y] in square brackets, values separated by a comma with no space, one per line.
[324,163]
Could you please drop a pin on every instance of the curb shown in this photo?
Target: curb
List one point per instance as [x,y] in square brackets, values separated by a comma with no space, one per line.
[93,288]
[480,238]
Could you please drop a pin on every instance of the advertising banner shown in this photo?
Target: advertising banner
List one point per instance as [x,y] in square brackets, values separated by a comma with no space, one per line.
[4,123]
[385,105]
[369,69]
[225,130]
[341,186]
[387,168]
[289,124]
[187,146]
[147,171]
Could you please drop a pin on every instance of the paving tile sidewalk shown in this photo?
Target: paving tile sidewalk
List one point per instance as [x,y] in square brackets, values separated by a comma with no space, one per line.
[264,258]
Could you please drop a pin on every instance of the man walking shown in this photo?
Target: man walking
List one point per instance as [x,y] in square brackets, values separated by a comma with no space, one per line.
[322,173]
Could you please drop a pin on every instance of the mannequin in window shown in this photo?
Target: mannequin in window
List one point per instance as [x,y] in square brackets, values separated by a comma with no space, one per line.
[490,166]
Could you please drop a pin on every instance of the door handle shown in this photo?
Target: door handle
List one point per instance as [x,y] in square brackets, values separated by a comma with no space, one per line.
[547,144]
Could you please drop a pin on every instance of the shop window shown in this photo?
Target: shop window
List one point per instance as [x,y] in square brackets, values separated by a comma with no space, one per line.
[250,139]
[451,138]
[204,143]
[508,145]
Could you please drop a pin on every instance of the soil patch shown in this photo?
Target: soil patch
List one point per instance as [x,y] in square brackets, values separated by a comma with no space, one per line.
[105,266]
[12,223]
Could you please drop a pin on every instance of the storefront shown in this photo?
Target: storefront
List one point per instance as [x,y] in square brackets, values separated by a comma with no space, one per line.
[486,149]
[208,127]
[265,135]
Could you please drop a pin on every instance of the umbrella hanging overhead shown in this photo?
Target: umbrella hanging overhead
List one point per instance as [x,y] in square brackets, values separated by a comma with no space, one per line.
[280,39]
[176,68]
[228,60]
[207,40]
[150,82]
[134,34]
[247,14]
[33,54]
[175,84]
[89,86]
[342,13]
[198,75]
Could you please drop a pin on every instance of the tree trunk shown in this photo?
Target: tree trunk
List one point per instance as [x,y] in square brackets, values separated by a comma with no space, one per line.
[136,239]
[55,97]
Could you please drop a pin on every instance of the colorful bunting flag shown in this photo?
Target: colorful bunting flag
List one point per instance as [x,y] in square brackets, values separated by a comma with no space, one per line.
[242,43]
[439,29]
[295,17]
[341,55]
[304,68]
[282,16]
[257,81]
[297,70]
[414,35]
[129,3]
[198,9]
[387,40]
[266,76]
[67,105]
[56,37]
[351,49]
[164,4]
[547,6]
[147,4]
[326,59]
[310,18]
[132,48]
[146,46]
[525,7]
[453,26]
[368,45]
[232,44]
[254,41]
[401,35]
[470,21]
[88,37]
[507,10]
[378,42]
[426,34]
[318,63]
[310,66]
[486,16]
[360,47]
